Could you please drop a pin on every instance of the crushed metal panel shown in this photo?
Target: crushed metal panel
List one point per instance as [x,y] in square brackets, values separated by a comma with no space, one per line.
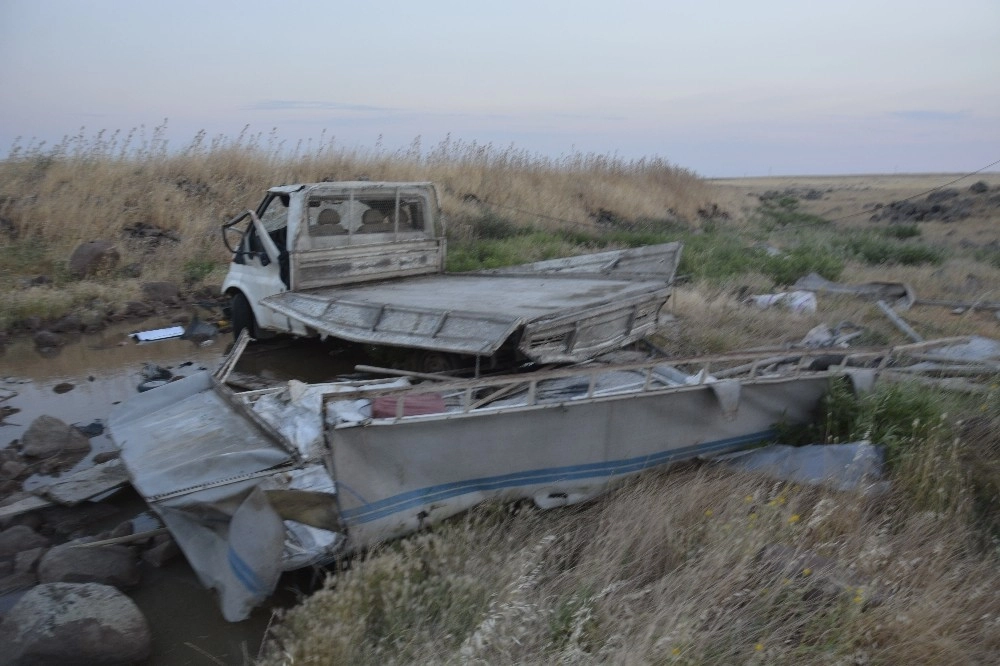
[571,338]
[391,324]
[397,476]
[219,442]
[91,482]
[476,313]
[648,261]
[899,292]
[350,265]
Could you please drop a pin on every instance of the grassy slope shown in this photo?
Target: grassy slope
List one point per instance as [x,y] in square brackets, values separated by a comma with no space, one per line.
[666,570]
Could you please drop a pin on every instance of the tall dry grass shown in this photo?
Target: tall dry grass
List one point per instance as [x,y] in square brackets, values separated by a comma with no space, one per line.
[118,186]
[93,186]
[694,567]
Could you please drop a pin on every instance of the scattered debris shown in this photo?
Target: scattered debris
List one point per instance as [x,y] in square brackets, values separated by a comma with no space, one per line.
[856,466]
[900,293]
[823,336]
[899,322]
[795,301]
[200,332]
[158,334]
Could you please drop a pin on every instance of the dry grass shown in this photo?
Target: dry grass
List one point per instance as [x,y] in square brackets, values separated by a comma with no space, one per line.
[675,568]
[100,186]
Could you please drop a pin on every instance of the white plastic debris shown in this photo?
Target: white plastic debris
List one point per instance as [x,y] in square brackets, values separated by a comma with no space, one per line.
[158,334]
[795,301]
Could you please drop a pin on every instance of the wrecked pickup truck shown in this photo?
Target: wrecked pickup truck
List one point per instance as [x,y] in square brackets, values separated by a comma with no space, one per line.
[364,262]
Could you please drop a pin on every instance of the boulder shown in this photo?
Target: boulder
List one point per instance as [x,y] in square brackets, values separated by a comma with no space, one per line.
[72,521]
[20,538]
[12,469]
[163,550]
[161,292]
[19,580]
[71,323]
[48,340]
[137,309]
[27,560]
[64,623]
[108,565]
[93,257]
[48,436]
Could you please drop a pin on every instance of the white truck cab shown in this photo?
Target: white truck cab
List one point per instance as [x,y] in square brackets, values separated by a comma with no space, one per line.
[315,235]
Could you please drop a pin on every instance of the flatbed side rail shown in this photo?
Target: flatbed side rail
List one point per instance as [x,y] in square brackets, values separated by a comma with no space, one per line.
[758,367]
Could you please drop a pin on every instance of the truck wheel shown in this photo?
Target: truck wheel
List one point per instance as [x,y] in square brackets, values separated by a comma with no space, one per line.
[433,361]
[242,316]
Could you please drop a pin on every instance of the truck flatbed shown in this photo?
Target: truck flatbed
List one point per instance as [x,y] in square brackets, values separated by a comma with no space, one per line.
[565,317]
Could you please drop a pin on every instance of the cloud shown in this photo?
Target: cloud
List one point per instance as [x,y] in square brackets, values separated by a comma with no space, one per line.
[307,105]
[931,115]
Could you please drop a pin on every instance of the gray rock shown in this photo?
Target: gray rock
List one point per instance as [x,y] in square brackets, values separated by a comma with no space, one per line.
[27,560]
[20,538]
[48,340]
[74,520]
[93,257]
[979,187]
[137,309]
[161,292]
[63,623]
[164,550]
[70,323]
[109,565]
[124,528]
[19,580]
[48,436]
[105,456]
[12,469]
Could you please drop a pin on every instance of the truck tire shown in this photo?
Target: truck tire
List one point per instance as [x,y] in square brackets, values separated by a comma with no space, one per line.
[242,315]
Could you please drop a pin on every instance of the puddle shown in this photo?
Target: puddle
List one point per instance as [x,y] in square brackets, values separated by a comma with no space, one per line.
[106,368]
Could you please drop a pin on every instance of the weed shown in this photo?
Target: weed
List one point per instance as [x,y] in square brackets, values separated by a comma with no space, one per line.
[775,213]
[900,231]
[877,251]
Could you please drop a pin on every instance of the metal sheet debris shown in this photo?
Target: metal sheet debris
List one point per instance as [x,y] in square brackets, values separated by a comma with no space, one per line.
[795,301]
[854,466]
[158,334]
[899,293]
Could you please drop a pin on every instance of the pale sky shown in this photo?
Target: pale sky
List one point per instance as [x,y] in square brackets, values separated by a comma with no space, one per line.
[721,87]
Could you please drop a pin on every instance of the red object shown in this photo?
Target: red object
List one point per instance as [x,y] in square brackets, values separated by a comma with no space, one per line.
[384,407]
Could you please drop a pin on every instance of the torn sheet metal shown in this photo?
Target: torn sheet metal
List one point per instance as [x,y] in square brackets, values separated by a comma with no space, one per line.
[562,318]
[158,334]
[205,464]
[900,294]
[91,482]
[560,440]
[855,466]
[794,301]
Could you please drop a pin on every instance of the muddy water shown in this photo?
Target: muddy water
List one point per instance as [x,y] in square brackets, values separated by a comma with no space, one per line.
[105,369]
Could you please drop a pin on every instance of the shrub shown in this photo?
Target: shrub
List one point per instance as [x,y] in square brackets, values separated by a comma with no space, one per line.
[877,251]
[780,212]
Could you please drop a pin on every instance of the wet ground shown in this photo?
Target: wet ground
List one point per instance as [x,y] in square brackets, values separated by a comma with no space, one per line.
[80,385]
